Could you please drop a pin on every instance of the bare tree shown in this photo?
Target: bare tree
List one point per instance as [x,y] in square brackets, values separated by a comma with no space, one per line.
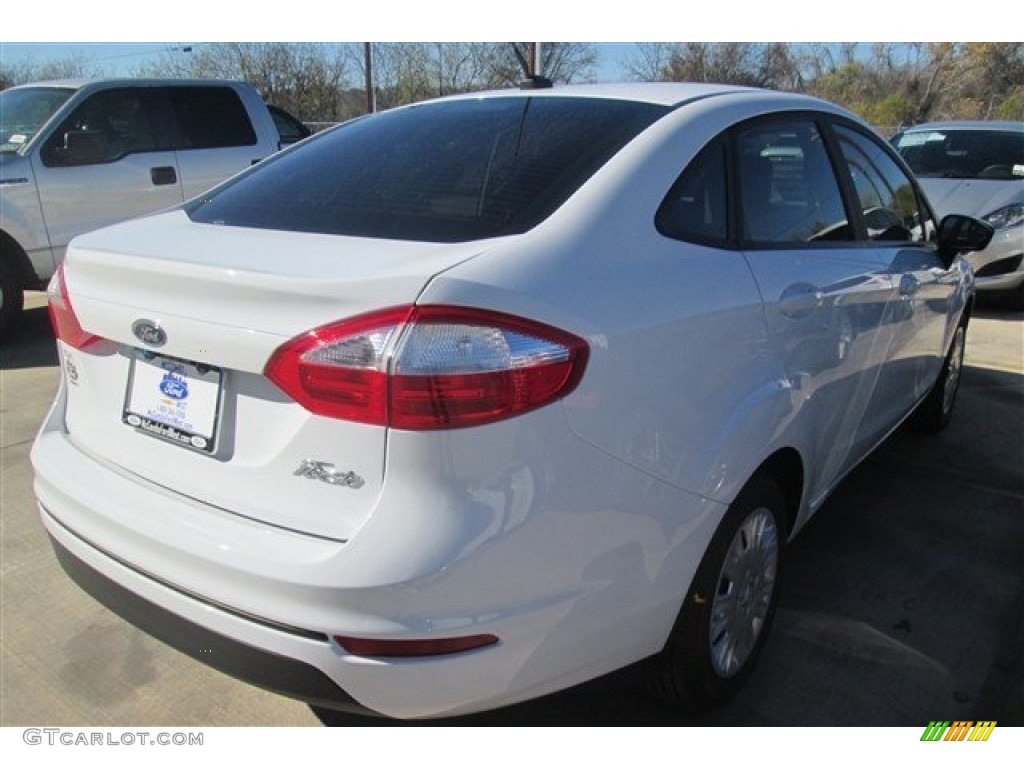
[560,62]
[31,71]
[648,61]
[310,80]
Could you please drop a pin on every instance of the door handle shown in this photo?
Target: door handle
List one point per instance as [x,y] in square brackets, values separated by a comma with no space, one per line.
[909,285]
[801,300]
[163,175]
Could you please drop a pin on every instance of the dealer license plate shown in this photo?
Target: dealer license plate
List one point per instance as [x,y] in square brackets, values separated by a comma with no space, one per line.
[174,400]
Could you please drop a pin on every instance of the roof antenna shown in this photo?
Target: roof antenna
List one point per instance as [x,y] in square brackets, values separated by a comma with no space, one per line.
[533,77]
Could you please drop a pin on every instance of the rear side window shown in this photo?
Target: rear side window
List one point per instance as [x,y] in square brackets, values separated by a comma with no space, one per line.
[695,207]
[887,199]
[788,190]
[440,172]
[210,117]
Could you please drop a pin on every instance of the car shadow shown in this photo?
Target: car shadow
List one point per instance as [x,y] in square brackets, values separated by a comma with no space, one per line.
[988,308]
[619,699]
[30,344]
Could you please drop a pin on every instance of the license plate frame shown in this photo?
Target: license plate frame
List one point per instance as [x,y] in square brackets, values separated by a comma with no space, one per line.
[174,400]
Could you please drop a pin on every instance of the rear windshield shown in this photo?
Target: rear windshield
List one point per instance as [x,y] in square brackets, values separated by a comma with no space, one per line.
[963,154]
[440,172]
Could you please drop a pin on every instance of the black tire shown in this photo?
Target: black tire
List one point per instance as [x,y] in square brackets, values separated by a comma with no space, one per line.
[722,608]
[11,298]
[936,410]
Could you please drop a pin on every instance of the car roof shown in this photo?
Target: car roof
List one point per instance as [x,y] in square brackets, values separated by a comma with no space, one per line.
[77,83]
[666,94]
[968,125]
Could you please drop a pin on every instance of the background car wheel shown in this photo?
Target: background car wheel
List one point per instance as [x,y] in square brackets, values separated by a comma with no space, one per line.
[936,410]
[728,610]
[11,299]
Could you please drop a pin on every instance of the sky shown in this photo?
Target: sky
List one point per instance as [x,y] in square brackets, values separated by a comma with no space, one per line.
[94,30]
[124,59]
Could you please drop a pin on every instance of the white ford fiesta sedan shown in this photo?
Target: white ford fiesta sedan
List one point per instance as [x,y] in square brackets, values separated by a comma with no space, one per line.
[473,400]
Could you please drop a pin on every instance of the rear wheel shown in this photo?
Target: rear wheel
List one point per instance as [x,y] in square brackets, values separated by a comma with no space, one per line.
[729,608]
[936,410]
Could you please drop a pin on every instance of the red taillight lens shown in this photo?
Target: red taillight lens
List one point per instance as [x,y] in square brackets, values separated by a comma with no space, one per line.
[429,367]
[340,370]
[62,315]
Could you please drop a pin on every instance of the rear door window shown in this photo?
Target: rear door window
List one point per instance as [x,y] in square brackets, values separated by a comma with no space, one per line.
[788,190]
[210,117]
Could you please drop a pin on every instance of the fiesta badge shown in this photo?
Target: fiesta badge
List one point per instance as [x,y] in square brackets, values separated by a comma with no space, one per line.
[149,332]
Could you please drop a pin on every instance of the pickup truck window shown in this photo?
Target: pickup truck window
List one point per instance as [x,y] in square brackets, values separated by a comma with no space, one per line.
[210,118]
[24,110]
[105,127]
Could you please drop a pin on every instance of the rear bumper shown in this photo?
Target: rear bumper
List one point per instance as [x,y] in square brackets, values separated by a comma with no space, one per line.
[249,663]
[575,582]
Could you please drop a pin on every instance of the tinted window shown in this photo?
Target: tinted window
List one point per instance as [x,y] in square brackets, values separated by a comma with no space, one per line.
[962,154]
[441,172]
[210,117]
[105,127]
[288,128]
[887,199]
[788,191]
[695,208]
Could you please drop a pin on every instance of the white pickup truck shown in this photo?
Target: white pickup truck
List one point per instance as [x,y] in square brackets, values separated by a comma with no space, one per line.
[78,155]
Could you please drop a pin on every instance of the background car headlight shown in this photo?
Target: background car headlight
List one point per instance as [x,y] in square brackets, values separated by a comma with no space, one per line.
[1007,216]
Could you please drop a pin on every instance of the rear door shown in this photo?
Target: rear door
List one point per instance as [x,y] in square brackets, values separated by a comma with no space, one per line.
[830,303]
[105,163]
[215,137]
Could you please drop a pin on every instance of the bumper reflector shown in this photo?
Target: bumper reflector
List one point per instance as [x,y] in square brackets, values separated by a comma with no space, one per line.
[362,646]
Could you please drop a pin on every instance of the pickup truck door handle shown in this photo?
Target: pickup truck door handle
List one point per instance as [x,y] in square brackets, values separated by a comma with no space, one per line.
[163,175]
[800,300]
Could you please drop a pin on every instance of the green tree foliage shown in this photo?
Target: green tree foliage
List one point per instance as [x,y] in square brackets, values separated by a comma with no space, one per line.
[889,84]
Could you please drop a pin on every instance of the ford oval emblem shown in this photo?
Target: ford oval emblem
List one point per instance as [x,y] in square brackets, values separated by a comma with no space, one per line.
[149,332]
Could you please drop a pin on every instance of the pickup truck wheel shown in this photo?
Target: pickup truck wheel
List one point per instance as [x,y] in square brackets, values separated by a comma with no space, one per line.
[11,299]
[729,607]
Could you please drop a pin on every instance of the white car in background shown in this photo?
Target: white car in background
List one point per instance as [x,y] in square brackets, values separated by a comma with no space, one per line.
[977,169]
[474,400]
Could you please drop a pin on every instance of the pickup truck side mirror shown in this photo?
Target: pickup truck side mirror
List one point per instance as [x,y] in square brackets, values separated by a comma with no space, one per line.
[958,234]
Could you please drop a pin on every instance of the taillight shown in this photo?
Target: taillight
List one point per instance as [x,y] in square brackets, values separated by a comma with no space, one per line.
[62,315]
[432,367]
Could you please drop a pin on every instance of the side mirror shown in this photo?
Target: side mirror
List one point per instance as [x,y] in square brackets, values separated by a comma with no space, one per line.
[958,234]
